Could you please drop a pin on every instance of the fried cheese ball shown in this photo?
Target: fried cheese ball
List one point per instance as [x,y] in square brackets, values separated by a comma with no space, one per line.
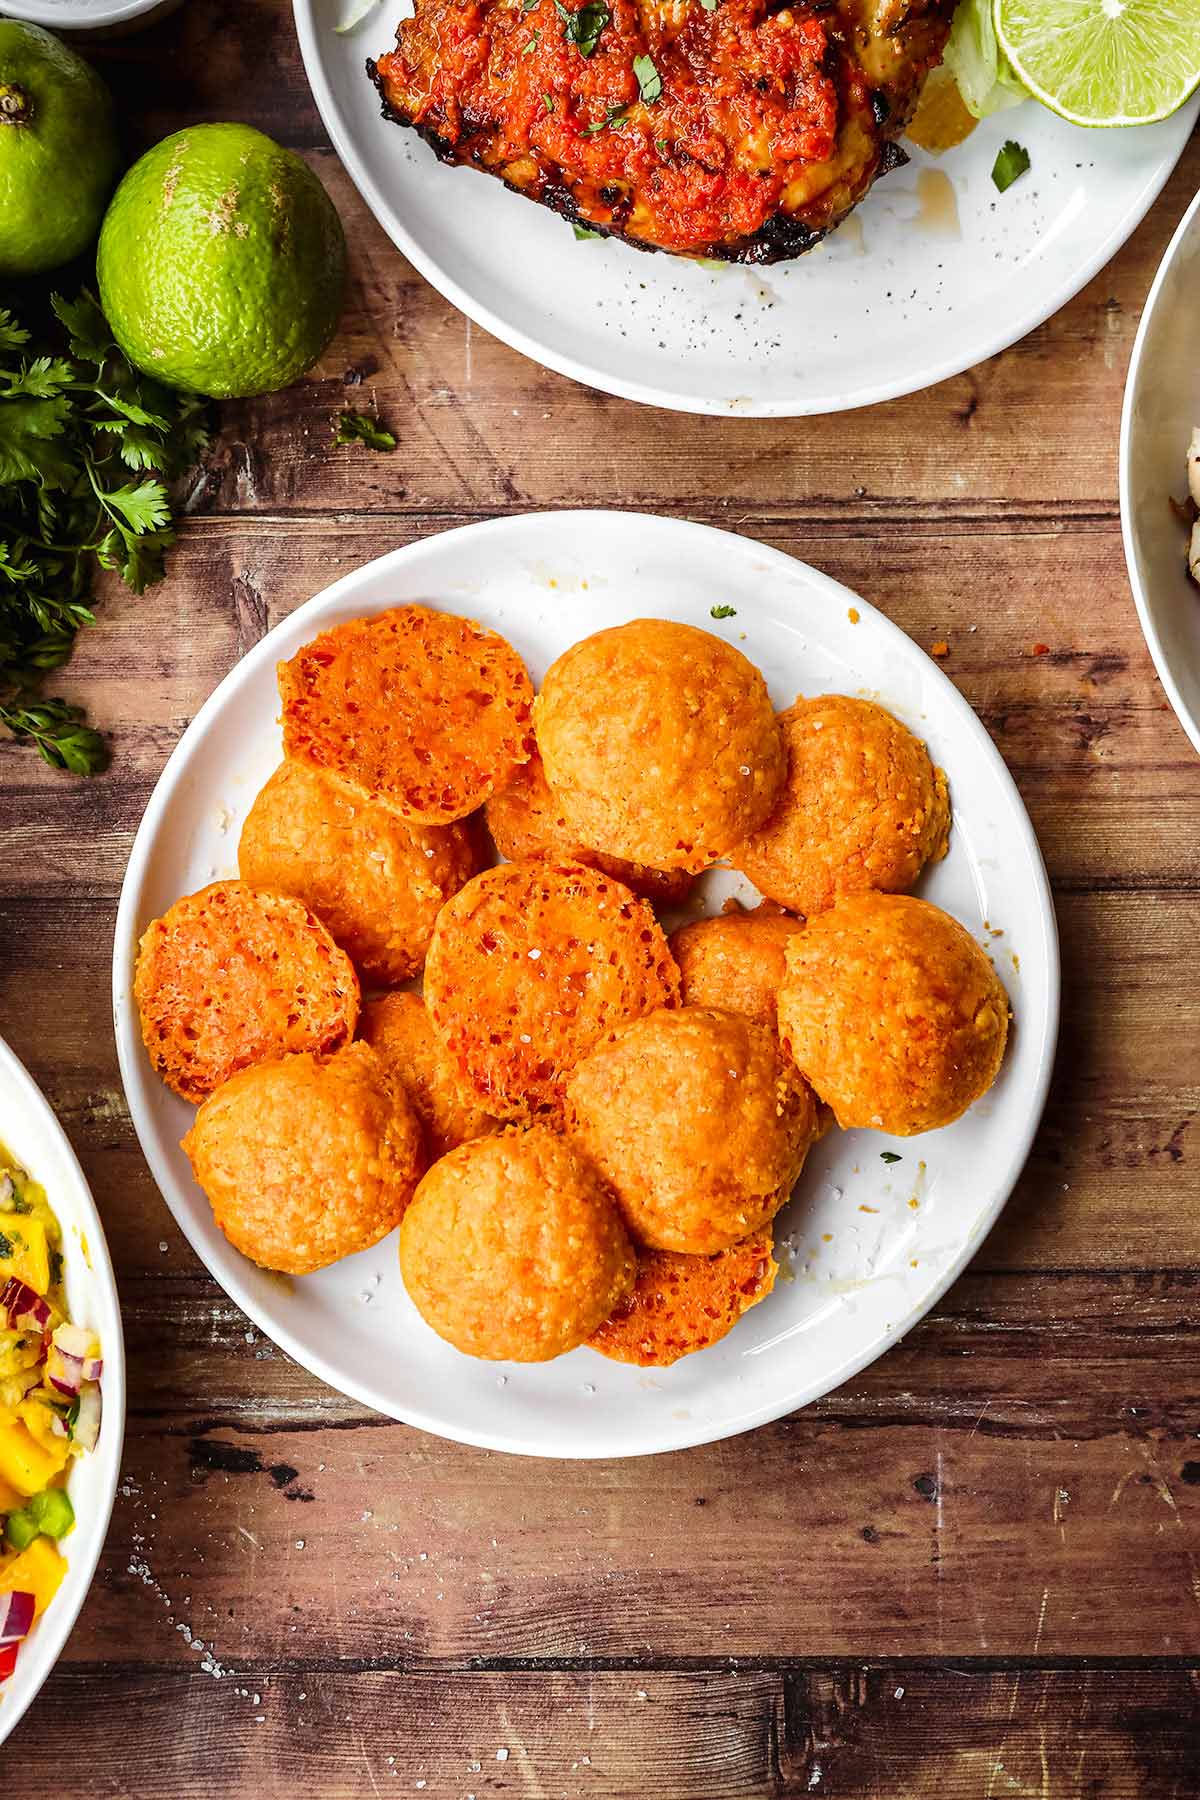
[512,1250]
[893,1012]
[681,1304]
[735,961]
[529,966]
[397,1026]
[231,976]
[374,881]
[526,819]
[660,743]
[697,1121]
[863,808]
[425,712]
[308,1158]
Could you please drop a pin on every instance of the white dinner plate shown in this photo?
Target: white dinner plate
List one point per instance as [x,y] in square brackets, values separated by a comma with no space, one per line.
[867,1245]
[30,1131]
[935,271]
[1162,408]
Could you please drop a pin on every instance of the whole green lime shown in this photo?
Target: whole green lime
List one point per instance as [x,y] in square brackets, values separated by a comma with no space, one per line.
[222,263]
[58,150]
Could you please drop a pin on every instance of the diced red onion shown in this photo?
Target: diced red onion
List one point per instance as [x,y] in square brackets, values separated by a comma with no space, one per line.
[8,1660]
[86,1429]
[93,1368]
[67,1378]
[8,1187]
[16,1616]
[22,1304]
[57,1427]
[73,1341]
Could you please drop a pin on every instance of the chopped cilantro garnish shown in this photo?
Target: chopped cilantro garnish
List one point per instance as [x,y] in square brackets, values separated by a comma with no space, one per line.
[6,1248]
[648,79]
[357,428]
[548,102]
[1012,160]
[19,1204]
[662,146]
[710,5]
[532,45]
[56,1265]
[889,1156]
[613,116]
[582,232]
[722,612]
[583,28]
[528,6]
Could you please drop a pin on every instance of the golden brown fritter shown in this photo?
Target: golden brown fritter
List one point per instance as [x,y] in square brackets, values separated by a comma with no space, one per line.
[423,711]
[512,1250]
[735,960]
[376,882]
[307,1159]
[743,130]
[529,966]
[660,743]
[681,1304]
[863,808]
[893,1012]
[230,976]
[527,819]
[697,1121]
[397,1026]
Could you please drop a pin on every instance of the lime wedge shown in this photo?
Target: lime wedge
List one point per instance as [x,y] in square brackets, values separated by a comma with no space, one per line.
[1104,62]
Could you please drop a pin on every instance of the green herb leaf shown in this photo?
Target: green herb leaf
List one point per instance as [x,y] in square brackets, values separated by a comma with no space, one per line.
[63,742]
[648,79]
[359,428]
[1011,162]
[722,612]
[12,335]
[613,116]
[6,1248]
[662,146]
[582,232]
[532,44]
[583,28]
[710,5]
[548,102]
[889,1156]
[91,340]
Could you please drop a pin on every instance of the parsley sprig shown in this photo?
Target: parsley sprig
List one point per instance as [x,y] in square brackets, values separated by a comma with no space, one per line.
[87,447]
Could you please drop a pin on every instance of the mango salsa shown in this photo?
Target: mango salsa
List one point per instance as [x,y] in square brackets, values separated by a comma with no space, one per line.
[37,1571]
[27,1464]
[24,1250]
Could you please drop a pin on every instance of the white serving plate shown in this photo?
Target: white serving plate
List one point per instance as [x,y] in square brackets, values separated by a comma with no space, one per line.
[858,1279]
[899,298]
[1162,405]
[31,1132]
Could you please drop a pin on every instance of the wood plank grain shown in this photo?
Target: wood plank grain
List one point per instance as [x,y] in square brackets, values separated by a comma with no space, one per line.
[1110,780]
[998,1486]
[867,1733]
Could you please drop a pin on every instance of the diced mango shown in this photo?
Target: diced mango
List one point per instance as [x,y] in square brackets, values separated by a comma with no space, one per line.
[37,1571]
[39,1418]
[10,1499]
[28,1465]
[24,1250]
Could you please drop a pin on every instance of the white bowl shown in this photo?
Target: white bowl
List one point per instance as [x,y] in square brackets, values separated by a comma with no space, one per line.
[1162,405]
[30,1131]
[102,18]
[874,1244]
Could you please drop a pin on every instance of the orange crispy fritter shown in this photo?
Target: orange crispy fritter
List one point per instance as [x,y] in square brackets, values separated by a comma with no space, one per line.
[307,1159]
[681,1304]
[374,881]
[512,1250]
[231,976]
[397,1026]
[863,807]
[426,712]
[697,1121]
[529,966]
[893,1012]
[735,961]
[527,819]
[660,743]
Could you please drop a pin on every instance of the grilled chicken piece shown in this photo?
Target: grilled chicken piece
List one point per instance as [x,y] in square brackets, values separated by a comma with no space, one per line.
[720,128]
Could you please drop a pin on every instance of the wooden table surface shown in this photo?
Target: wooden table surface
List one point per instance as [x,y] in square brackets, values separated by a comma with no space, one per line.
[973,1572]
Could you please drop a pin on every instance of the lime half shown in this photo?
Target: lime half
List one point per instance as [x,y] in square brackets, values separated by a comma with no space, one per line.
[1104,62]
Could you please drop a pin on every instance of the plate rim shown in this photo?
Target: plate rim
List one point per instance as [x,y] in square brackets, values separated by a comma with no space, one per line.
[683,1436]
[1189,720]
[58,1622]
[388,218]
